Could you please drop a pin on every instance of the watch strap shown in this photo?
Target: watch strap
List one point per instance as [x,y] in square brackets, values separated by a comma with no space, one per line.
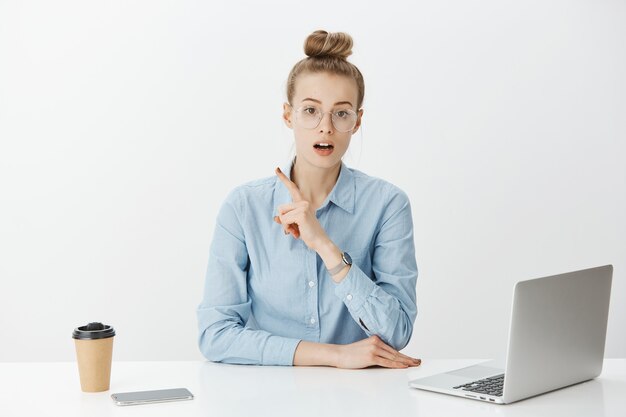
[338,268]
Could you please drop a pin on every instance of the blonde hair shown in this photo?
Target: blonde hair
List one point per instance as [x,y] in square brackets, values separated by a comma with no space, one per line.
[327,52]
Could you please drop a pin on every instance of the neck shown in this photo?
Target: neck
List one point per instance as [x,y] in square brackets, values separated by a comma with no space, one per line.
[315,183]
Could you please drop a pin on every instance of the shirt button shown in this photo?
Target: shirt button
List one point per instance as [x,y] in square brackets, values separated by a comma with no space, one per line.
[312,320]
[349,297]
[311,284]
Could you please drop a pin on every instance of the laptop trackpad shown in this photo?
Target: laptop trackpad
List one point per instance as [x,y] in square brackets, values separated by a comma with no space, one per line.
[476,372]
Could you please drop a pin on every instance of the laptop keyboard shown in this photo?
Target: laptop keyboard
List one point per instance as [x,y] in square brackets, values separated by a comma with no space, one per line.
[490,386]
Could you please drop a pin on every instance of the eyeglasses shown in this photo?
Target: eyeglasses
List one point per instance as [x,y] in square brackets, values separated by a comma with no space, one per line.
[309,117]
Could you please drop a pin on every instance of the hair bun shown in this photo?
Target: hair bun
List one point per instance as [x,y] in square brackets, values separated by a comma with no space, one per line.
[321,43]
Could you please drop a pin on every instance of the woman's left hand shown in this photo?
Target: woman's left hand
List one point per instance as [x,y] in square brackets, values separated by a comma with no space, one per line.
[298,218]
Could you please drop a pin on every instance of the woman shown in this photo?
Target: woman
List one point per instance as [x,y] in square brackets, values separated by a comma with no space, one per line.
[316,265]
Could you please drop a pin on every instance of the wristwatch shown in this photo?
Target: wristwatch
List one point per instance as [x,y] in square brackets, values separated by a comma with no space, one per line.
[345,260]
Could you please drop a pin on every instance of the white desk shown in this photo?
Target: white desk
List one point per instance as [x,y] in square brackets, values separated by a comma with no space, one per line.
[53,389]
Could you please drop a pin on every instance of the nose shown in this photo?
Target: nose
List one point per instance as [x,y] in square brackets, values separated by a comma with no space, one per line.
[326,124]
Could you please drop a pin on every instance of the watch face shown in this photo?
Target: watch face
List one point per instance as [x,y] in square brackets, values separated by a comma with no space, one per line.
[346,258]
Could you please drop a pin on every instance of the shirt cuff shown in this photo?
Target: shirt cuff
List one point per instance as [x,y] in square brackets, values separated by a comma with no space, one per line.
[354,289]
[279,351]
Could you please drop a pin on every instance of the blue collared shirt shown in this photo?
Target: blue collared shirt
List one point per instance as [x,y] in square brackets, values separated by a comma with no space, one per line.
[266,291]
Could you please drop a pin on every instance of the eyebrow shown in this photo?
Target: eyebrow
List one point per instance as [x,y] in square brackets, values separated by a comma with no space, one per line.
[336,104]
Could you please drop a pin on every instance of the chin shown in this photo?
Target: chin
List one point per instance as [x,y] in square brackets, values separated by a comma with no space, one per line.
[324,161]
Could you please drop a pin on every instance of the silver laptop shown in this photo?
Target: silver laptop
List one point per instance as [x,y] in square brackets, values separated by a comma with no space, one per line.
[556,339]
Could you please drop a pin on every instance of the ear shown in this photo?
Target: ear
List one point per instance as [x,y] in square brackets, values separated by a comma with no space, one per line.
[358,121]
[287,115]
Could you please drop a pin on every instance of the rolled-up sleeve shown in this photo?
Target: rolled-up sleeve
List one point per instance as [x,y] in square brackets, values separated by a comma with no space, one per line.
[385,304]
[226,307]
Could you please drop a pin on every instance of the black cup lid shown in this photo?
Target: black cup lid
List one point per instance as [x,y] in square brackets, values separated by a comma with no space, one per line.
[93,330]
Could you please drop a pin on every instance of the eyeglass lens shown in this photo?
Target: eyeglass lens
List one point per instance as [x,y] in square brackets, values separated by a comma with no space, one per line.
[310,117]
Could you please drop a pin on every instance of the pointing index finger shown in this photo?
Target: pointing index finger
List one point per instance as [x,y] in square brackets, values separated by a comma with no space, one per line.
[291,186]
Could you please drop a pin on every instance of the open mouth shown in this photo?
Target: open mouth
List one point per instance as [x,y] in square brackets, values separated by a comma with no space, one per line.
[323,146]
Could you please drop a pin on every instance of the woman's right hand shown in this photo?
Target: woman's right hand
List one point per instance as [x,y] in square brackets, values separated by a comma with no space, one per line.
[372,352]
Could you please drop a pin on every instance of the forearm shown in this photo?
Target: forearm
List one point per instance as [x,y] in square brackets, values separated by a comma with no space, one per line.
[357,355]
[316,354]
[223,340]
[377,311]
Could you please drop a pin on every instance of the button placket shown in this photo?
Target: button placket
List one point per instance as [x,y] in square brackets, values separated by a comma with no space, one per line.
[312,296]
[313,319]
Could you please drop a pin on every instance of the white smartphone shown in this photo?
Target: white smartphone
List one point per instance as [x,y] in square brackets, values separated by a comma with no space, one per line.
[147,397]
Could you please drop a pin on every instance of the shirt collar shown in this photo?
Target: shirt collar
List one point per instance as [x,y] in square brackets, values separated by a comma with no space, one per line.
[342,194]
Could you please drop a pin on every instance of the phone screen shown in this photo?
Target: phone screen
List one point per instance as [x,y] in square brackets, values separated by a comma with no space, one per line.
[141,397]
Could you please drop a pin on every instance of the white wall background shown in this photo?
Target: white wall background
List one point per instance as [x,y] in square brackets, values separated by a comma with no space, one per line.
[123,124]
